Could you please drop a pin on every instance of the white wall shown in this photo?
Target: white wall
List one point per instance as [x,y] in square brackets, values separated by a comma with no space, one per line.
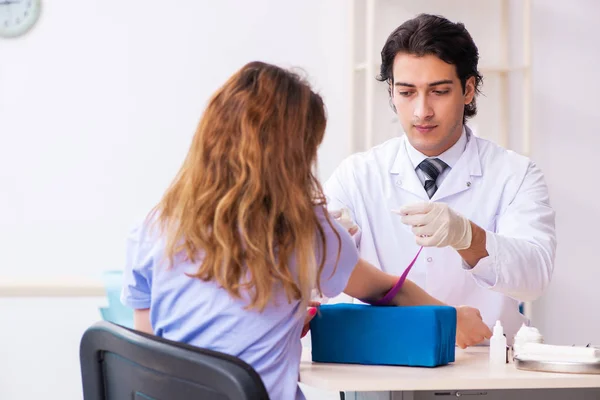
[566,56]
[97,107]
[100,101]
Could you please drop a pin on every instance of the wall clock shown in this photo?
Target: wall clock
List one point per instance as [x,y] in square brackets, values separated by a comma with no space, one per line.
[18,16]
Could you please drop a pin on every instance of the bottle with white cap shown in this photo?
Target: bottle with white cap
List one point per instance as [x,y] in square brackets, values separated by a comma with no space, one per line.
[498,349]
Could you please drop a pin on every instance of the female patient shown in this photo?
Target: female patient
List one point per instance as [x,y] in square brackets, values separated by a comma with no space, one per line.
[229,257]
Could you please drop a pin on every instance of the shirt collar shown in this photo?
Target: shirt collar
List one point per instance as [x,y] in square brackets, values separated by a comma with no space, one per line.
[450,156]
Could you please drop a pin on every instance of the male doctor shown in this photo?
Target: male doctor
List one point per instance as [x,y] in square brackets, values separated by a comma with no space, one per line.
[481,212]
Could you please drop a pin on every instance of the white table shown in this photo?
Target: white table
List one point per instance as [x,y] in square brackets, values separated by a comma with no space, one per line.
[471,374]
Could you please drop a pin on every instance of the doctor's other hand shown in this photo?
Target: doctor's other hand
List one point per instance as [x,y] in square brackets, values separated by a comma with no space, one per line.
[436,224]
[310,314]
[343,218]
[470,328]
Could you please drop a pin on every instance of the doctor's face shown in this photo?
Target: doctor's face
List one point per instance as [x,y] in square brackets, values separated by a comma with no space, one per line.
[429,101]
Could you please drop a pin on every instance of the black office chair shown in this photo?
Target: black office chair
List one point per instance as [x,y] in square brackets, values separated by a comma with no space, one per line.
[118,363]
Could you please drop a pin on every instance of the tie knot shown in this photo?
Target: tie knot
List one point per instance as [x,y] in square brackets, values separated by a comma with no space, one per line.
[432,168]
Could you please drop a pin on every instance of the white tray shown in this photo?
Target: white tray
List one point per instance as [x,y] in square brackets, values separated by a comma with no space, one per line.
[558,366]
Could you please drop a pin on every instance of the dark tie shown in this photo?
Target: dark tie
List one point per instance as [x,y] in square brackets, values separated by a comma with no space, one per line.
[432,168]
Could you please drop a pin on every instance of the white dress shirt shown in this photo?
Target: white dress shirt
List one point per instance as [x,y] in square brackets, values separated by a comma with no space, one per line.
[450,157]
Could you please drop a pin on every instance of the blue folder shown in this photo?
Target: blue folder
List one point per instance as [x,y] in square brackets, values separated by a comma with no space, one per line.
[418,336]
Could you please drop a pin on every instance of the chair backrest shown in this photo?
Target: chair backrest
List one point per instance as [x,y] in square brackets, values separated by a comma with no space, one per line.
[121,363]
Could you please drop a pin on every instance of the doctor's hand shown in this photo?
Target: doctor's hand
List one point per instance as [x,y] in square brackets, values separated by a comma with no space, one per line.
[436,224]
[470,328]
[343,218]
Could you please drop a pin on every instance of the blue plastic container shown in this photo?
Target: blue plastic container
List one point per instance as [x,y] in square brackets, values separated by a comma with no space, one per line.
[116,312]
[419,336]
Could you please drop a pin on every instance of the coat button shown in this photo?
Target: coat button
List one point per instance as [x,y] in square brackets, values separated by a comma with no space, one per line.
[399,182]
[469,184]
[429,259]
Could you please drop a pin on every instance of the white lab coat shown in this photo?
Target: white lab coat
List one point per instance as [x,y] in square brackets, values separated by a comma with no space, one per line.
[499,190]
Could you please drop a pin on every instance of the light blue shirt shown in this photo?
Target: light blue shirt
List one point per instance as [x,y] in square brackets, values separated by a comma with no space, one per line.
[203,314]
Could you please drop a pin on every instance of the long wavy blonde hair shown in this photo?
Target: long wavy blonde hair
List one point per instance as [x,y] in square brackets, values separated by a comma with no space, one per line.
[243,204]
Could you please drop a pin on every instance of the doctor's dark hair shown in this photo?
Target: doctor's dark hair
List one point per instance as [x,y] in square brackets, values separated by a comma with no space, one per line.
[428,34]
[245,205]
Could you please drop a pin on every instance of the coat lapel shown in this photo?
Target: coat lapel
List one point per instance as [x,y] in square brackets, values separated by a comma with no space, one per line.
[404,174]
[460,177]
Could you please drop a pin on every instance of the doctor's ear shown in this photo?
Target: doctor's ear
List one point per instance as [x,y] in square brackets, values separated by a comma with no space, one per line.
[469,90]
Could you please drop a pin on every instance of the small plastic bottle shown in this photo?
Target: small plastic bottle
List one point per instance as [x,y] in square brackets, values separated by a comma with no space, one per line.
[498,349]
